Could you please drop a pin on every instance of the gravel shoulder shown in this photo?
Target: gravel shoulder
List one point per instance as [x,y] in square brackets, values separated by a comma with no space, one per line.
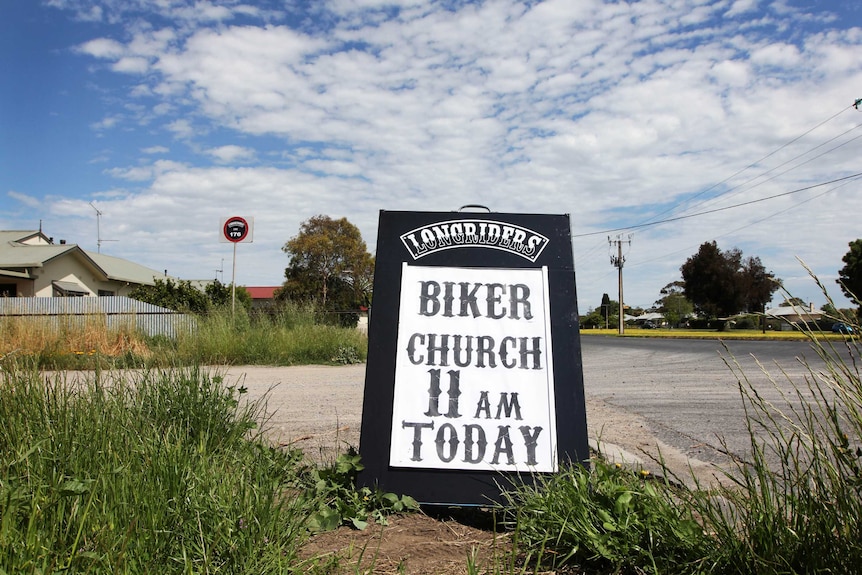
[319,409]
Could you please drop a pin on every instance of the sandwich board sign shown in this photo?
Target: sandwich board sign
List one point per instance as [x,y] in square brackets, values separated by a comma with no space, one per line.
[474,379]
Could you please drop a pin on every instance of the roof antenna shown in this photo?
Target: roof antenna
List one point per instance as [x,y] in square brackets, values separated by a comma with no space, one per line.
[99,239]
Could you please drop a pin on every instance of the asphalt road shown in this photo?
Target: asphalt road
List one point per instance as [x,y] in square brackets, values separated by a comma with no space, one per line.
[686,392]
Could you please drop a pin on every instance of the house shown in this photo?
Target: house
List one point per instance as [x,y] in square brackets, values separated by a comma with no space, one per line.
[262,297]
[790,316]
[32,265]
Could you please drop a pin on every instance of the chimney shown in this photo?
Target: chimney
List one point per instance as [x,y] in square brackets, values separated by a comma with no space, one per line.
[62,242]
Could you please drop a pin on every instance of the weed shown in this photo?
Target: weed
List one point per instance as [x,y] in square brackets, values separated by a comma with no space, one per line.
[606,517]
[339,502]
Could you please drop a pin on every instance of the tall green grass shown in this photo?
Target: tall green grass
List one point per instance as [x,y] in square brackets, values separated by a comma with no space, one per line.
[792,504]
[293,335]
[796,506]
[167,473]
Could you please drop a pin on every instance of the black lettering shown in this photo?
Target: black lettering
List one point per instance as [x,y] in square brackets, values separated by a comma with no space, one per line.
[411,348]
[454,393]
[468,299]
[443,349]
[448,298]
[483,405]
[507,342]
[535,352]
[434,394]
[485,348]
[509,402]
[417,437]
[428,294]
[530,441]
[503,446]
[459,361]
[493,298]
[469,442]
[519,294]
[442,441]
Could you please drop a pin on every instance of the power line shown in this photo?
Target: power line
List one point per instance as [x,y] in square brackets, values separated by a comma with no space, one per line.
[756,162]
[809,160]
[712,211]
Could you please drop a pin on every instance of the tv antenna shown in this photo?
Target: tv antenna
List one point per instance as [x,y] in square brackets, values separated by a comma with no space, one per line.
[99,239]
[220,270]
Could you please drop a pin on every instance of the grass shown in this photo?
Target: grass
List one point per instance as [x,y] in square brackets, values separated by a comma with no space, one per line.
[165,472]
[732,334]
[169,472]
[793,505]
[291,337]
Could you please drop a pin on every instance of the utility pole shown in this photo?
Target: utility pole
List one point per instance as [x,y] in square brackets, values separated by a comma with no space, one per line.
[618,261]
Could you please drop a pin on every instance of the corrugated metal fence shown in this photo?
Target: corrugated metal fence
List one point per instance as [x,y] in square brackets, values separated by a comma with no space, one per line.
[117,312]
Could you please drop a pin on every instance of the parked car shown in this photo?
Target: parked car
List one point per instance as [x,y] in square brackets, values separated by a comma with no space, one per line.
[842,328]
[648,325]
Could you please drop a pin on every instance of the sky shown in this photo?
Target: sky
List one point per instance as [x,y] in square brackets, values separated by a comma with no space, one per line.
[134,127]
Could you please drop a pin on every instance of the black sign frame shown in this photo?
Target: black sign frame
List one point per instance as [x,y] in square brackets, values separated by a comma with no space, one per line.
[400,240]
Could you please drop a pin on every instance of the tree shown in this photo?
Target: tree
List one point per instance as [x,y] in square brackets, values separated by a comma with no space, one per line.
[219,295]
[722,283]
[180,296]
[673,304]
[329,265]
[757,285]
[850,276]
[606,314]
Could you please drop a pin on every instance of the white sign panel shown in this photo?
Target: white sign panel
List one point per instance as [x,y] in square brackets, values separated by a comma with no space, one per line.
[474,387]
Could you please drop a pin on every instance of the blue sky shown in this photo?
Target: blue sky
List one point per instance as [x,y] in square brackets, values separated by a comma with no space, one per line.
[171,115]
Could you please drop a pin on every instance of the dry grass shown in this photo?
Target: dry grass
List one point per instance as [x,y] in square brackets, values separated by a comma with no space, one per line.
[68,336]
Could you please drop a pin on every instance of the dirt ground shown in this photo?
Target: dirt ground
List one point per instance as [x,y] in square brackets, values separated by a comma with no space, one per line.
[319,410]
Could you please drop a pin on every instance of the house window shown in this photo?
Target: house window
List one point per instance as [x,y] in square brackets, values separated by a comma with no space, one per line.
[69,289]
[8,290]
[106,293]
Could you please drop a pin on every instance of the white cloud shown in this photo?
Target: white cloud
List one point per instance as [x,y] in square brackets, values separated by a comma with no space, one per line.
[103,48]
[741,7]
[105,123]
[182,128]
[777,54]
[156,150]
[616,113]
[229,154]
[25,199]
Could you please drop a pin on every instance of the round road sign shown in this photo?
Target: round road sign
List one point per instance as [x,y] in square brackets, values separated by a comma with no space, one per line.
[236,229]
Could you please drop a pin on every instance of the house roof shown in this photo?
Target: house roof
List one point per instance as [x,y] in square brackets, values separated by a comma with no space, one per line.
[119,269]
[794,310]
[261,292]
[22,236]
[16,257]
